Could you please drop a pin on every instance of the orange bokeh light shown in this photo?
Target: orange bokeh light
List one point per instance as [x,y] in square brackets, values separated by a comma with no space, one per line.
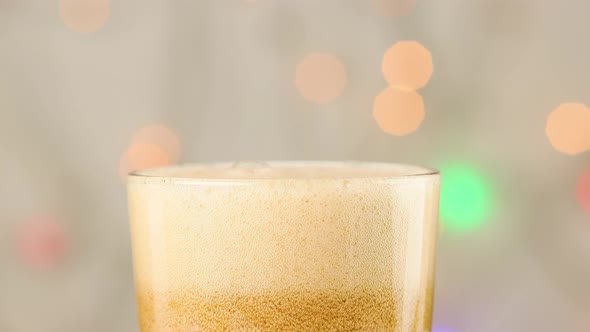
[320,77]
[407,65]
[568,128]
[398,112]
[161,136]
[142,156]
[84,15]
[394,7]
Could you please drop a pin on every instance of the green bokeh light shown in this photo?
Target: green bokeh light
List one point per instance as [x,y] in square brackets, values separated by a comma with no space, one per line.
[466,198]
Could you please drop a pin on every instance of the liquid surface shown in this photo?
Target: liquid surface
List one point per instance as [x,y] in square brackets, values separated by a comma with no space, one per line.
[293,254]
[288,170]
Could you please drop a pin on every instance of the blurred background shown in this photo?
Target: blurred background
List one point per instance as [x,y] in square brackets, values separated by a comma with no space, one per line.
[491,92]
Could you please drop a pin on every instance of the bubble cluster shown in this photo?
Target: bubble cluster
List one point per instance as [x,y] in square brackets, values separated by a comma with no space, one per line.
[290,310]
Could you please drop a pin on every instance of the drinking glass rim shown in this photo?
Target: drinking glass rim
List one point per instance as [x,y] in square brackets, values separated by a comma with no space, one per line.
[173,174]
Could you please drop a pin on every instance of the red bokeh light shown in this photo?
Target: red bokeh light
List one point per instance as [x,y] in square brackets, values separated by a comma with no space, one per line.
[583,191]
[41,242]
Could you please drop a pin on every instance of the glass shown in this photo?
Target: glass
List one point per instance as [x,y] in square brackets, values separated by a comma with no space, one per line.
[284,246]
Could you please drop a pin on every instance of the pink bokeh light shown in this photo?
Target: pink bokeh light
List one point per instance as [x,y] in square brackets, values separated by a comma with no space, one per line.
[441,329]
[583,191]
[41,242]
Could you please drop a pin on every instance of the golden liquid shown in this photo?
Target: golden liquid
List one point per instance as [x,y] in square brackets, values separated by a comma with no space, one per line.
[284,253]
[360,310]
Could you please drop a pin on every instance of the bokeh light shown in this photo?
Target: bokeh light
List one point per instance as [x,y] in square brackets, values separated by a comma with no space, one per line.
[394,7]
[584,324]
[84,15]
[568,128]
[466,198]
[142,156]
[161,136]
[583,191]
[41,242]
[320,77]
[441,329]
[398,112]
[407,65]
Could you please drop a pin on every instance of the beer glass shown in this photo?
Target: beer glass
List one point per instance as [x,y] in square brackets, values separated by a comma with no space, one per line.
[284,246]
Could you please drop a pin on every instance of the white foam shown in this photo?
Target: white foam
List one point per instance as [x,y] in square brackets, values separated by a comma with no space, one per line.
[321,228]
